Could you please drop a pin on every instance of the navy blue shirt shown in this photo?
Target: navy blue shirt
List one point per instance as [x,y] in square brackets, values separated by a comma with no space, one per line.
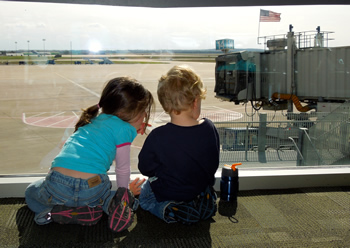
[184,160]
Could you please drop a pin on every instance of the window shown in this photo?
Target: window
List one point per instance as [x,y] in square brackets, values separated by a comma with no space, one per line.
[56,58]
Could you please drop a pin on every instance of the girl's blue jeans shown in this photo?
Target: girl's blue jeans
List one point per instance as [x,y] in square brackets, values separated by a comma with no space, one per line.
[58,189]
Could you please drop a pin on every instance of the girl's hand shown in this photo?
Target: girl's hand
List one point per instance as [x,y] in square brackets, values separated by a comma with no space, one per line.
[135,186]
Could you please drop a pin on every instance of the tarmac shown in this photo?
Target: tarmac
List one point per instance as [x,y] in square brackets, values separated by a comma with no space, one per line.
[40,103]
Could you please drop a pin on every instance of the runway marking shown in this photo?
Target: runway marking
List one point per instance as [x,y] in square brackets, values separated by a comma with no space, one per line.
[80,86]
[68,119]
[137,147]
[52,120]
[43,119]
[215,114]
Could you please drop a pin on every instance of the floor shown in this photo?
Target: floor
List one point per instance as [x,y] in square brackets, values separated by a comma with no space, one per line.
[307,217]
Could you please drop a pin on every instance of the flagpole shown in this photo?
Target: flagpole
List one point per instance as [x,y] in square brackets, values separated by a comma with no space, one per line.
[259,28]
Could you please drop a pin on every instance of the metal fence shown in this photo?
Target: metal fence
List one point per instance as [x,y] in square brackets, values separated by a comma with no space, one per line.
[277,139]
[258,139]
[328,142]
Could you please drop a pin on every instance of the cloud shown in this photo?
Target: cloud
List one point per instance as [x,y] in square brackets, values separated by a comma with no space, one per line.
[41,25]
[95,26]
[152,28]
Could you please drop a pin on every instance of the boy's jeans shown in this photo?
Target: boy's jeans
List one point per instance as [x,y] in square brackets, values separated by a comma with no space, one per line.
[58,189]
[149,202]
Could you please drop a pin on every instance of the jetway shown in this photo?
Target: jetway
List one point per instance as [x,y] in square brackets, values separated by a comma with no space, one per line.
[299,73]
[297,69]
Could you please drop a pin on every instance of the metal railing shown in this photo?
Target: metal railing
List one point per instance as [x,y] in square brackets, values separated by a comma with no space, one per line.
[285,140]
[330,138]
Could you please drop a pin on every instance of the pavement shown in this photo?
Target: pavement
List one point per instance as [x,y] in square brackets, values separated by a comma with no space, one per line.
[38,104]
[36,101]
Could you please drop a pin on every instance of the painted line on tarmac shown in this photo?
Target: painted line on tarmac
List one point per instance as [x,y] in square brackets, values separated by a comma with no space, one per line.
[137,147]
[214,113]
[58,120]
[80,86]
[43,119]
[64,120]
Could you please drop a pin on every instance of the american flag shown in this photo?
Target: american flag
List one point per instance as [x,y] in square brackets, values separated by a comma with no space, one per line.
[269,16]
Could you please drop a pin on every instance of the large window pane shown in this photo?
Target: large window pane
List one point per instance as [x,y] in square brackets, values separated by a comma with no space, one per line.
[41,96]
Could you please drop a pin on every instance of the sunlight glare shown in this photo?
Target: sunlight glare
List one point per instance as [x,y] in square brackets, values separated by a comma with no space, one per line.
[95,46]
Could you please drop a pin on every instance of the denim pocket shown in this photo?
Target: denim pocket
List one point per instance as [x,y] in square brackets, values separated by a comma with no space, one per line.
[95,196]
[48,198]
[96,200]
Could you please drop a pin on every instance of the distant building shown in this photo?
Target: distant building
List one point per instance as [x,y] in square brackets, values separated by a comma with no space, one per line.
[41,53]
[14,54]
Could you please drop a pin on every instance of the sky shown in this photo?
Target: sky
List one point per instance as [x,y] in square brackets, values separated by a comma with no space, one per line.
[94,27]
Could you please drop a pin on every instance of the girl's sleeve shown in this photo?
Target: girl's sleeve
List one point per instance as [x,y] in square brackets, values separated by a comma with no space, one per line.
[122,165]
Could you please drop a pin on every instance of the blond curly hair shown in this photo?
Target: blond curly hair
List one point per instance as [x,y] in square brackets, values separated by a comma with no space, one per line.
[178,89]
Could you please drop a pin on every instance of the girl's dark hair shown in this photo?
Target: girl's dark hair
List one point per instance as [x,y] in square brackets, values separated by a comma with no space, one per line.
[124,97]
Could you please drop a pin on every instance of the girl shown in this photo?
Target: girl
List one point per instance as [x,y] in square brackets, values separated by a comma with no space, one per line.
[77,189]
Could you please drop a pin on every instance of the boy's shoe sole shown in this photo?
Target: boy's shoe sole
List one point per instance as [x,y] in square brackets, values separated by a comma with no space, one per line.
[85,215]
[206,204]
[183,213]
[121,214]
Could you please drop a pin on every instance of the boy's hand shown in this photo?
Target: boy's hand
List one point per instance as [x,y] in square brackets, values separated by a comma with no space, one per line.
[142,129]
[135,186]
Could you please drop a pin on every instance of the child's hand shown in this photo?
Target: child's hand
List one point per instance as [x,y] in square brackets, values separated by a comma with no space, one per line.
[135,186]
[142,129]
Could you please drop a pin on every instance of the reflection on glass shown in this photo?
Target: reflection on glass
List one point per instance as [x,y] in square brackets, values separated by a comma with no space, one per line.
[64,54]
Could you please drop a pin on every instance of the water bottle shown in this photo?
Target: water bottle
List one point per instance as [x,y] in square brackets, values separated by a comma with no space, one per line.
[229,183]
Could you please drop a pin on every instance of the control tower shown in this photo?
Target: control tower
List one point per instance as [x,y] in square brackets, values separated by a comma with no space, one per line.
[225,45]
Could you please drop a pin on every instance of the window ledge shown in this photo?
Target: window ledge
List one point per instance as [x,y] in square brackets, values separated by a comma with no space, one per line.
[249,179]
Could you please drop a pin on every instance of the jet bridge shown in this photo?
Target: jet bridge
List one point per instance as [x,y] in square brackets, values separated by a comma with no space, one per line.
[297,69]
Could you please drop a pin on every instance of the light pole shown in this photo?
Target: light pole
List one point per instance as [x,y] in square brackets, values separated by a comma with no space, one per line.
[28,47]
[44,46]
[71,53]
[16,47]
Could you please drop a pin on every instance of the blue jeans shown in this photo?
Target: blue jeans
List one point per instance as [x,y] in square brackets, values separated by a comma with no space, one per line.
[58,189]
[149,203]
